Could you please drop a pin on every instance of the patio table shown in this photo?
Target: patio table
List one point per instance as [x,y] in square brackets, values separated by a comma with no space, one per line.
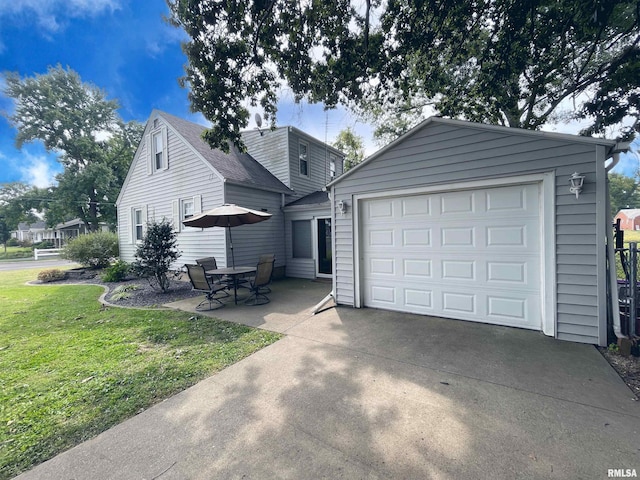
[234,273]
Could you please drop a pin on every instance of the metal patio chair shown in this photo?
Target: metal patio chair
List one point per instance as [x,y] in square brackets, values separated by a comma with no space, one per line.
[259,283]
[201,282]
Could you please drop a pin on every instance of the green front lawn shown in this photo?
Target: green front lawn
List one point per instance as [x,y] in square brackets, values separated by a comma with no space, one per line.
[15,252]
[70,369]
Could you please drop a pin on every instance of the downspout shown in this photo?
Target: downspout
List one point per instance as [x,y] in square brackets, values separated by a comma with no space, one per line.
[611,254]
[321,304]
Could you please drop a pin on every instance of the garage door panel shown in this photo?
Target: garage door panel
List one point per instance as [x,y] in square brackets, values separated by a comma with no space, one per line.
[457,203]
[458,270]
[412,237]
[412,207]
[471,255]
[510,272]
[506,200]
[455,302]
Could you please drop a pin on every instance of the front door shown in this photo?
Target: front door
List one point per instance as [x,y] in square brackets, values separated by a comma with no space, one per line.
[324,263]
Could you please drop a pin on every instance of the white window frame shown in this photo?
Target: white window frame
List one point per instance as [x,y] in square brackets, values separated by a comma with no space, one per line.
[333,160]
[135,225]
[152,144]
[178,211]
[304,159]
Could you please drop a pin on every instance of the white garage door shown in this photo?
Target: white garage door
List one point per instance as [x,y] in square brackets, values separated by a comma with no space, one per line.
[470,255]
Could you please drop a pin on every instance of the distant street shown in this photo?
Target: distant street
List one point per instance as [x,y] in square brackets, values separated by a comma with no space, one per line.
[42,263]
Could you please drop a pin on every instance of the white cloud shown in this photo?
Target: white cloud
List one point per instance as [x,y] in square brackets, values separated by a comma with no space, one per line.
[37,170]
[51,14]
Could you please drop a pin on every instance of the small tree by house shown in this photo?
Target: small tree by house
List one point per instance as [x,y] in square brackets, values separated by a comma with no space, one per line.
[156,253]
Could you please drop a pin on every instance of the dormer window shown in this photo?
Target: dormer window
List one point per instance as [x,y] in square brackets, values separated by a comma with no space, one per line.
[303,153]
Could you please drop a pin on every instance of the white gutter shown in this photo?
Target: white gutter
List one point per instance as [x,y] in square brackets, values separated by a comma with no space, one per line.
[611,254]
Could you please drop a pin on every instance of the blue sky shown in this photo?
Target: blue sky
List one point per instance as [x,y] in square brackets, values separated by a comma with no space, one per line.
[125,48]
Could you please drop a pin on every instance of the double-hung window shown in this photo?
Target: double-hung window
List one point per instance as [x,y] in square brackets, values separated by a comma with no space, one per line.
[157,150]
[303,154]
[183,209]
[332,165]
[187,208]
[137,224]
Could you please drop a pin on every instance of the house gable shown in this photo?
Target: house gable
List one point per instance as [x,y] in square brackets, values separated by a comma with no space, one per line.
[300,161]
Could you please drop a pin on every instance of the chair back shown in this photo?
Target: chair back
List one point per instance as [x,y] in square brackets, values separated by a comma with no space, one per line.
[263,273]
[198,278]
[269,257]
[209,263]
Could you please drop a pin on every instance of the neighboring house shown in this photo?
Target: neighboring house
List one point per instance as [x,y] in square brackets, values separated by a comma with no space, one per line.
[175,174]
[629,219]
[33,232]
[59,235]
[476,222]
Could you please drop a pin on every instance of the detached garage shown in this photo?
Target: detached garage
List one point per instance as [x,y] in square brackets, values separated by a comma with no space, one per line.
[476,222]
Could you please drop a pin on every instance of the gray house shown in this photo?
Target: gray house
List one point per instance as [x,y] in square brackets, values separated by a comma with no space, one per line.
[175,174]
[476,222]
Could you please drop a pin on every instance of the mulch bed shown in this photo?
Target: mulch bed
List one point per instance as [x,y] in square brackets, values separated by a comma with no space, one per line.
[628,367]
[143,295]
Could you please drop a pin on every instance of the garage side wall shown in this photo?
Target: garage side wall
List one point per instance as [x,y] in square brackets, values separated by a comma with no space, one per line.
[442,154]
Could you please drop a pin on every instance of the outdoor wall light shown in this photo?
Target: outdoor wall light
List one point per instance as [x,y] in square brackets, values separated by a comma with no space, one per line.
[576,181]
[342,207]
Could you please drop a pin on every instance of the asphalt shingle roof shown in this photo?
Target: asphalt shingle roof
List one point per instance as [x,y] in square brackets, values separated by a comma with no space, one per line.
[313,198]
[235,166]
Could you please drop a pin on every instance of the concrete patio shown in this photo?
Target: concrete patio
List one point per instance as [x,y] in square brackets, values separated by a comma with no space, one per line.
[362,393]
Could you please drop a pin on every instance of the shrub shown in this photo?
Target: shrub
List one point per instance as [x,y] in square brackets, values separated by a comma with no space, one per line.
[116,272]
[156,253]
[93,250]
[51,275]
[123,292]
[43,244]
[13,242]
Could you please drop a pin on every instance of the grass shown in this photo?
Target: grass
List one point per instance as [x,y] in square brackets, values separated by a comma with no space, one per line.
[15,252]
[70,369]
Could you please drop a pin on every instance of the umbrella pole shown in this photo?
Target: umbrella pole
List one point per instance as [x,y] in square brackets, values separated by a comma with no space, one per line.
[233,260]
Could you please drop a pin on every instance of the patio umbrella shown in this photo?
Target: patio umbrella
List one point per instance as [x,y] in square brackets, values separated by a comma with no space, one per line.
[227,216]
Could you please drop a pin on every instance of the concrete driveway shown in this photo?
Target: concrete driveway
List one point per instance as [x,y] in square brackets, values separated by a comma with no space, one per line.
[372,394]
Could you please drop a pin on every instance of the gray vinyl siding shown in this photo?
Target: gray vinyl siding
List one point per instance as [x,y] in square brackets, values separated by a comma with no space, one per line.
[251,241]
[440,154]
[302,267]
[271,150]
[187,175]
[318,166]
[278,151]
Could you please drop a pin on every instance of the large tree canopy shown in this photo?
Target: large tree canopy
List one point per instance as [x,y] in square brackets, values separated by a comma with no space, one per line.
[508,62]
[75,120]
[351,145]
